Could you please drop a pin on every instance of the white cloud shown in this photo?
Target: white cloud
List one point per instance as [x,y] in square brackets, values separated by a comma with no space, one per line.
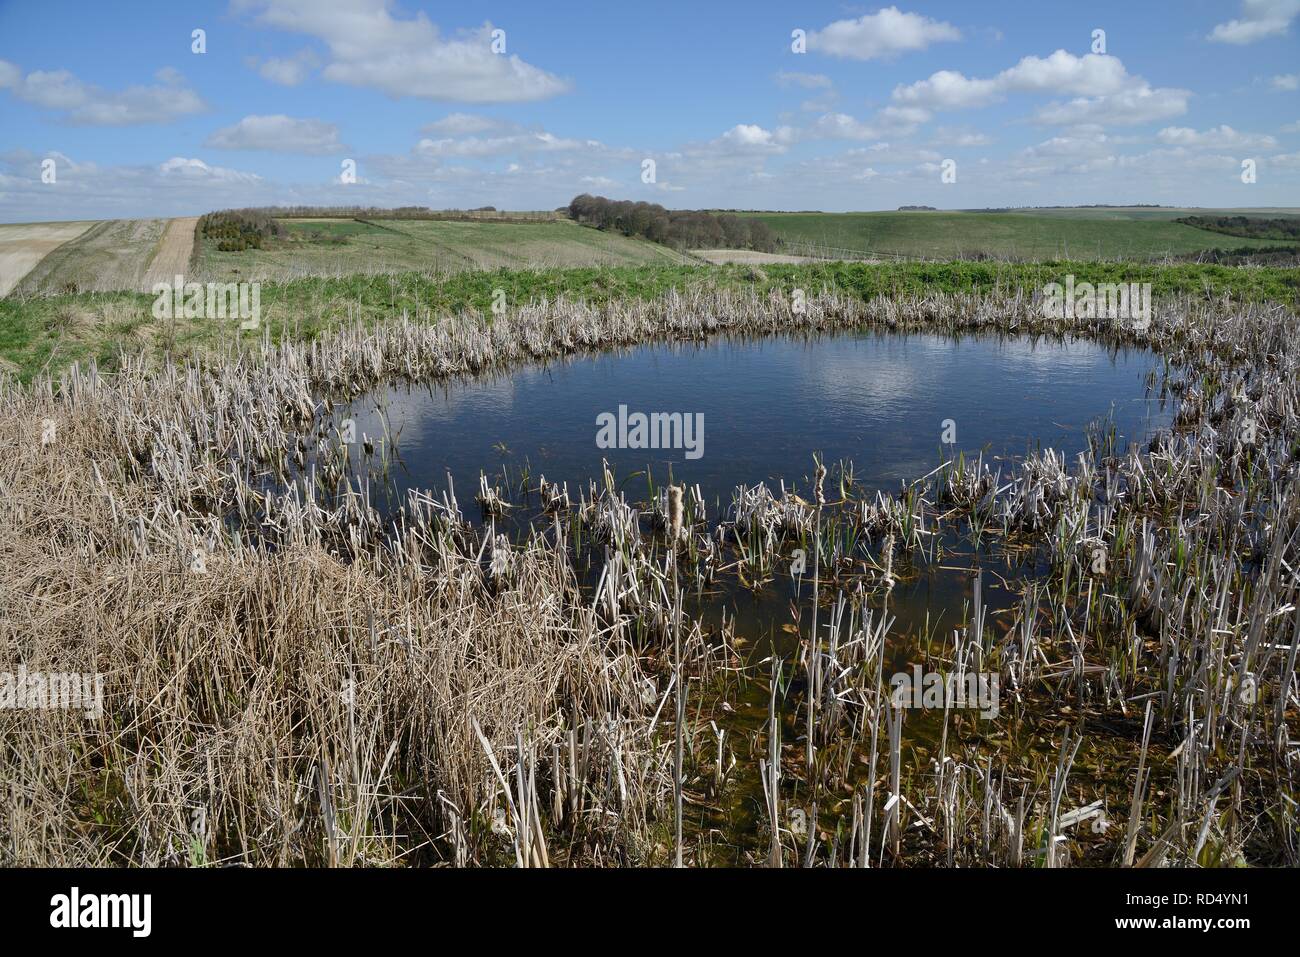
[948,136]
[902,116]
[736,156]
[1084,142]
[884,33]
[860,178]
[84,104]
[1087,154]
[462,124]
[1259,19]
[949,90]
[197,170]
[1221,137]
[1286,82]
[840,126]
[751,138]
[892,120]
[1142,104]
[854,163]
[371,47]
[741,141]
[279,134]
[1290,127]
[809,81]
[514,143]
[820,104]
[179,186]
[288,71]
[1092,74]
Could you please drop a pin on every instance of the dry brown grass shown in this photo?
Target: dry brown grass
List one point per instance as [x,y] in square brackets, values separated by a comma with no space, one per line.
[282,707]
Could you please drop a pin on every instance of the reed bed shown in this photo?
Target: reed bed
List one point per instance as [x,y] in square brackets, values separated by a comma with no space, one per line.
[294,678]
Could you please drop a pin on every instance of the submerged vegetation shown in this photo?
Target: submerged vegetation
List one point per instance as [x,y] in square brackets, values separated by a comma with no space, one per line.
[292,678]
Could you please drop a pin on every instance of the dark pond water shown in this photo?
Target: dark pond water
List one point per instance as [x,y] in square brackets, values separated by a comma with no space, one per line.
[882,401]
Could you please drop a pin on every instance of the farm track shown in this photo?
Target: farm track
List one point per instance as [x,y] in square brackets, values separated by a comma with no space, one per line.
[172,255]
[750,257]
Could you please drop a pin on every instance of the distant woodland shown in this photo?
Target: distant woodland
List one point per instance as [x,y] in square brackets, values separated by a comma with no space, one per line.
[680,228]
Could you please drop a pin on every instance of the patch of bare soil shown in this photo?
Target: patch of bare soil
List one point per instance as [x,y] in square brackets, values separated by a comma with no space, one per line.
[172,257]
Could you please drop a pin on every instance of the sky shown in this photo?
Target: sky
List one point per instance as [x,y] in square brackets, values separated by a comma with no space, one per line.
[132,109]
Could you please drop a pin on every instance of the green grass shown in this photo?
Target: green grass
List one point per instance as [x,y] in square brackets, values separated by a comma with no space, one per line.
[50,333]
[306,230]
[346,246]
[1028,234]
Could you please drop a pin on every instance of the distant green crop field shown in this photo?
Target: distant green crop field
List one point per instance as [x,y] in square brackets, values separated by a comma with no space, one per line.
[1061,234]
[1150,212]
[340,247]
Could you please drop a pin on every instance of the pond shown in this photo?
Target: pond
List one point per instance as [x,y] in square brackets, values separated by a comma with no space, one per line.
[886,408]
[893,405]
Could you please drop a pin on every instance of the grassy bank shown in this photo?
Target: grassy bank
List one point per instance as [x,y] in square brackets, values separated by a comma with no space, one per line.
[51,333]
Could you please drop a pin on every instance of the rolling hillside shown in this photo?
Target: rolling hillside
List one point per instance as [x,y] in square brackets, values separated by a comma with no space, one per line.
[1063,234]
[335,247]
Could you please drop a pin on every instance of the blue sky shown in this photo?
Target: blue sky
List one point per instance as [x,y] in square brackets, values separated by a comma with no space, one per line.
[137,124]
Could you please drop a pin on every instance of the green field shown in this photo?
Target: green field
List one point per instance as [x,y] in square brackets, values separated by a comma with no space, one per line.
[338,247]
[1148,212]
[1137,233]
[48,334]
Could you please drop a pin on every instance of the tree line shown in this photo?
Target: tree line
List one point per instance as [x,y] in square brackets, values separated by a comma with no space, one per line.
[404,212]
[1248,227]
[680,228]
